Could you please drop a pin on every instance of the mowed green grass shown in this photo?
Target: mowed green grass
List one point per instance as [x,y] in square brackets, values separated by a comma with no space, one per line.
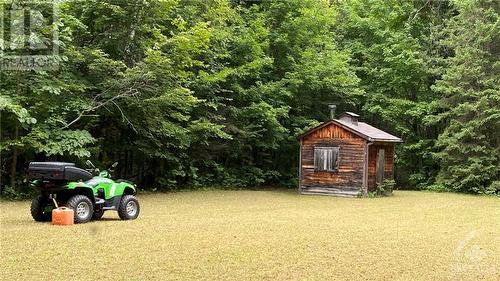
[263,235]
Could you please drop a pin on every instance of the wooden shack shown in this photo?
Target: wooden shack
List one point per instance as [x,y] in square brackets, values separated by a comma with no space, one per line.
[345,157]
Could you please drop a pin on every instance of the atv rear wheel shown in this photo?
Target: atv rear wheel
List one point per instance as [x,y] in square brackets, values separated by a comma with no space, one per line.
[83,208]
[129,208]
[38,206]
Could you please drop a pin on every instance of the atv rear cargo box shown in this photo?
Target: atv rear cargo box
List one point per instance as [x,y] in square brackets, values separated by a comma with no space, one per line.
[60,171]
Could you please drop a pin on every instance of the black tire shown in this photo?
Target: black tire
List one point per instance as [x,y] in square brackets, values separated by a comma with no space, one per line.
[129,208]
[98,214]
[37,209]
[83,208]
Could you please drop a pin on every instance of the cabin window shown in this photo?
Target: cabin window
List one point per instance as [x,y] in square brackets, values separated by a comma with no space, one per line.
[326,159]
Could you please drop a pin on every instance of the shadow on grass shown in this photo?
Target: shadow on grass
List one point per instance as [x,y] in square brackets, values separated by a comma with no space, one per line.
[107,219]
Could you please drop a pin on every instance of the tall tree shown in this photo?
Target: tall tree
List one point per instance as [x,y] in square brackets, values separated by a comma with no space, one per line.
[393,51]
[470,88]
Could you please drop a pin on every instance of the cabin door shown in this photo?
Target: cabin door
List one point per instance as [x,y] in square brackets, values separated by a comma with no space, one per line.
[380,165]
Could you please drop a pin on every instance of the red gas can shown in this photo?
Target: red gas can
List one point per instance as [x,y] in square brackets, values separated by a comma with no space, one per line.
[63,216]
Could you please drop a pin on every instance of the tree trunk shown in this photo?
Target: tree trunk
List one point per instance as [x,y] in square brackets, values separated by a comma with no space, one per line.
[13,170]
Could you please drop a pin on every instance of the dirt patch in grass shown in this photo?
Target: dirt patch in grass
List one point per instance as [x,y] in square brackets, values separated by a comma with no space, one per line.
[263,235]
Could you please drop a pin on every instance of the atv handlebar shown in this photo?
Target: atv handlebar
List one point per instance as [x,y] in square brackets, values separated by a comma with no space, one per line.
[94,170]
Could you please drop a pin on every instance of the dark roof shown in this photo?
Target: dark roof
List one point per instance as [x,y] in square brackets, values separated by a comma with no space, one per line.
[361,129]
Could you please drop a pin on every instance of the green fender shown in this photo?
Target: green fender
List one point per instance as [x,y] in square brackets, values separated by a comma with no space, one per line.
[111,188]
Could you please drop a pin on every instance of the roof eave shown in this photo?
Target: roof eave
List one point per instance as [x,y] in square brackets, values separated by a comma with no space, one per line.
[387,140]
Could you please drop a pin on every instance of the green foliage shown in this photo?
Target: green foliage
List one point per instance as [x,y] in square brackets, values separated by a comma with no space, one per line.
[391,48]
[494,188]
[10,193]
[470,86]
[385,188]
[436,188]
[196,92]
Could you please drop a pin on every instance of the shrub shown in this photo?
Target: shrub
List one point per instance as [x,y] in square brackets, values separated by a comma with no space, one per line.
[436,188]
[9,193]
[493,188]
[385,188]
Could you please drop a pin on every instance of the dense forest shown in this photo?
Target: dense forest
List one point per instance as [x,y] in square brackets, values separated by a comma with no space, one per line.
[193,93]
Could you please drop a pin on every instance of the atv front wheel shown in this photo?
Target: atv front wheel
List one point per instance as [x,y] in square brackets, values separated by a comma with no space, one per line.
[38,209]
[129,208]
[83,208]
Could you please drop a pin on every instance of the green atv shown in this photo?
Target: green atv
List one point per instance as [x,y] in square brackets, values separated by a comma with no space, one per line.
[62,183]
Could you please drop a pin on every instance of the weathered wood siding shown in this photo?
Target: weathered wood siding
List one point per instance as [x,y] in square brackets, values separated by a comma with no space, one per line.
[372,163]
[348,180]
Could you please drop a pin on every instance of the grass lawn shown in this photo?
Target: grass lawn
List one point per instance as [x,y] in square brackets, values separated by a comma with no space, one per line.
[263,235]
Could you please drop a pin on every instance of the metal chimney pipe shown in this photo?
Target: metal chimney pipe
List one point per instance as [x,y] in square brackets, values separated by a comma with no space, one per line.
[332,110]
